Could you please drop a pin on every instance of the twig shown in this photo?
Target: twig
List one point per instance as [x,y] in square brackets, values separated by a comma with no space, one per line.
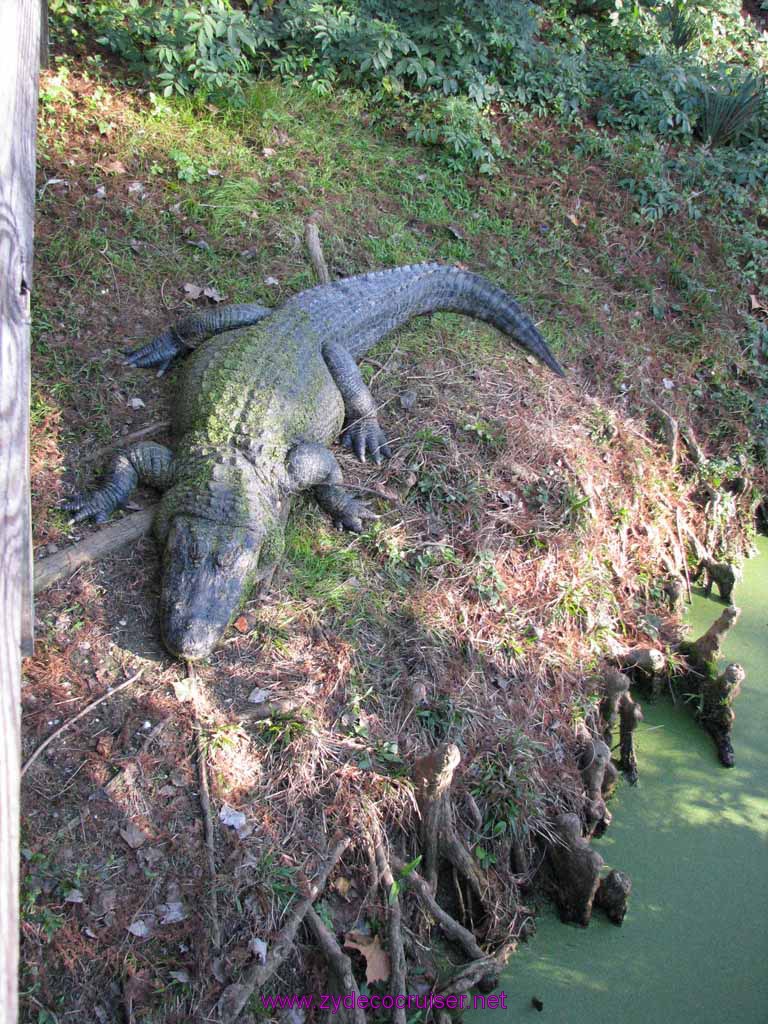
[137,435]
[339,961]
[76,718]
[234,998]
[312,239]
[671,431]
[210,851]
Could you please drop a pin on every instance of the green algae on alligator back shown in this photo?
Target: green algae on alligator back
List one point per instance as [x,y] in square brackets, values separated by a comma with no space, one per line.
[694,837]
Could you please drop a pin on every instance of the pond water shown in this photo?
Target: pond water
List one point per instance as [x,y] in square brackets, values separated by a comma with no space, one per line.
[694,838]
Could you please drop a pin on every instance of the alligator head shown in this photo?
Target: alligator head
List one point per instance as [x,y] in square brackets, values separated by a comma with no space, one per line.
[207,571]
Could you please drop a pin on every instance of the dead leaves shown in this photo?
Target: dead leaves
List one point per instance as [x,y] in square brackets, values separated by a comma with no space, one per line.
[757,306]
[196,291]
[377,964]
[133,836]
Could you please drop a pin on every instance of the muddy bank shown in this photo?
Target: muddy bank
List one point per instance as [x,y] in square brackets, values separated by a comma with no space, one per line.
[694,838]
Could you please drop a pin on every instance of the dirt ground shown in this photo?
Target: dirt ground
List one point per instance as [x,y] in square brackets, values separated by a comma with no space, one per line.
[525,527]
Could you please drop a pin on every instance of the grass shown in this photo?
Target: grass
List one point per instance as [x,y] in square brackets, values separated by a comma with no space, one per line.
[523,534]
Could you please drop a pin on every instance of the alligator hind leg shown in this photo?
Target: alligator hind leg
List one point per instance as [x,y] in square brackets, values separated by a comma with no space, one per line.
[362,432]
[145,463]
[193,330]
[313,466]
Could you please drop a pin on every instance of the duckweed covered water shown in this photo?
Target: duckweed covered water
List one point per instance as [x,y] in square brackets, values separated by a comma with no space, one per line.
[694,838]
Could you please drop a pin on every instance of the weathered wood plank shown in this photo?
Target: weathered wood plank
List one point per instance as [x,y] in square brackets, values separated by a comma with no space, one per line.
[19,62]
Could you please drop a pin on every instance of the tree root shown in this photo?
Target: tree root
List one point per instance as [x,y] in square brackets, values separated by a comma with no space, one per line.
[234,998]
[630,714]
[341,967]
[451,928]
[432,775]
[394,928]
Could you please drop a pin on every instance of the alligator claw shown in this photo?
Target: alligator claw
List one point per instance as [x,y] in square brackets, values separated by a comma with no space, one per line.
[353,516]
[365,437]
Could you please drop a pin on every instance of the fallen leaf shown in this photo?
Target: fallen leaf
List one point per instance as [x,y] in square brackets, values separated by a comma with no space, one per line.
[231,818]
[219,972]
[342,886]
[668,384]
[136,245]
[258,695]
[133,836]
[376,957]
[271,282]
[213,294]
[113,167]
[136,403]
[90,933]
[172,913]
[456,232]
[259,949]
[182,976]
[74,896]
[573,219]
[241,625]
[100,193]
[755,303]
[194,291]
[137,187]
[200,243]
[143,927]
[213,172]
[268,152]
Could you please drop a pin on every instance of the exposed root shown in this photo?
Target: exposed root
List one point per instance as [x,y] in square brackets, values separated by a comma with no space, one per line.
[575,869]
[341,968]
[394,927]
[450,926]
[702,654]
[432,775]
[630,714]
[234,998]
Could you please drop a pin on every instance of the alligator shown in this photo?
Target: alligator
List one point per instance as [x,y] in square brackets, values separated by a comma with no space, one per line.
[257,407]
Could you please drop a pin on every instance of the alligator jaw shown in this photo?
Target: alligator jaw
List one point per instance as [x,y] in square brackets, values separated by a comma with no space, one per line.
[206,572]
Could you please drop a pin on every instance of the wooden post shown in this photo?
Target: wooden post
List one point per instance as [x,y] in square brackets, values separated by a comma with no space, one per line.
[19,63]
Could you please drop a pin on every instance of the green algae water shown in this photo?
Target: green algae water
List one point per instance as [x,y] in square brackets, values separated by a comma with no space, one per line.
[694,838]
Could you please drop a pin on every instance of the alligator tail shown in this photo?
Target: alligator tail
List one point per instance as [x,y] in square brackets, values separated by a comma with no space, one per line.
[361,310]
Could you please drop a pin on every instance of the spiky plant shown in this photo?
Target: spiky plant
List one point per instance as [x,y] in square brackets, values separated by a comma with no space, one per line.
[725,112]
[682,23]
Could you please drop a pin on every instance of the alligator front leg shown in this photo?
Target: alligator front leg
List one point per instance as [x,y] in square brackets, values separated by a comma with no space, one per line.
[193,330]
[362,432]
[145,463]
[312,465]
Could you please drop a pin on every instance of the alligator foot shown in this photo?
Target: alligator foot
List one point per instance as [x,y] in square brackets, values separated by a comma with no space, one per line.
[365,437]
